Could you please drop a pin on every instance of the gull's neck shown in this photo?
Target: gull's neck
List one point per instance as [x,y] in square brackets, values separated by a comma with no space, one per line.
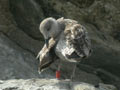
[60,30]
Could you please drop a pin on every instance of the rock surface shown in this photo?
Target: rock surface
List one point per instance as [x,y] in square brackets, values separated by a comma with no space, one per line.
[15,62]
[20,39]
[50,84]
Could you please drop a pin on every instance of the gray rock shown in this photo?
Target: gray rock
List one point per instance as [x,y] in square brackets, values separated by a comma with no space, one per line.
[19,21]
[24,41]
[9,27]
[50,84]
[15,62]
[27,14]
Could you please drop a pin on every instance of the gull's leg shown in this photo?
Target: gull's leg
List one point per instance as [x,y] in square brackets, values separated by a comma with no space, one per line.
[58,70]
[59,65]
[73,73]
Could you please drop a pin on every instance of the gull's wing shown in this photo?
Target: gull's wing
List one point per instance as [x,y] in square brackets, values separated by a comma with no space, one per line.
[76,36]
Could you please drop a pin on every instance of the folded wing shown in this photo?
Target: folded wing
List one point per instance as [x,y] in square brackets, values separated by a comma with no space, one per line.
[76,36]
[46,56]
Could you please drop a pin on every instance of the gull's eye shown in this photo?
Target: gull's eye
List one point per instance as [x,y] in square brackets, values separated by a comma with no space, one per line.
[48,29]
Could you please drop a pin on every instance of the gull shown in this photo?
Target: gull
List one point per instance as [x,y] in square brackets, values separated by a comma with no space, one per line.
[72,41]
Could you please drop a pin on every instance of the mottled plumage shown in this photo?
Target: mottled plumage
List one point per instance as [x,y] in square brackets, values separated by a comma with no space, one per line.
[72,43]
[46,56]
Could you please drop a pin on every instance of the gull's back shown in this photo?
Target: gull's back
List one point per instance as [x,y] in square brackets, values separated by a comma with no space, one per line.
[73,43]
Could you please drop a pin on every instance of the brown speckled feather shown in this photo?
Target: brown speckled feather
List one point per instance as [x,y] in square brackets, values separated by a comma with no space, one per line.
[46,56]
[78,38]
[74,40]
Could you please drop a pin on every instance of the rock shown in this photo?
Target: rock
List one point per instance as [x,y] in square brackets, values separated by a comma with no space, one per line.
[19,21]
[24,41]
[7,23]
[50,84]
[28,15]
[15,62]
[9,27]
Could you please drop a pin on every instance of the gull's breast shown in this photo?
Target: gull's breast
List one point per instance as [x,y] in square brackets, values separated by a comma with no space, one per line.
[62,49]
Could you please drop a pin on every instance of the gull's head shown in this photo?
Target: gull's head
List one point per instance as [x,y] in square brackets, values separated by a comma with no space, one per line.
[49,29]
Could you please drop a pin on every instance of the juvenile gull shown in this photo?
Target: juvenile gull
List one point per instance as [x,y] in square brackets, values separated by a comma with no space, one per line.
[72,42]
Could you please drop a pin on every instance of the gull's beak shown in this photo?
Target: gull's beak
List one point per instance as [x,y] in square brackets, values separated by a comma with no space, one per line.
[47,42]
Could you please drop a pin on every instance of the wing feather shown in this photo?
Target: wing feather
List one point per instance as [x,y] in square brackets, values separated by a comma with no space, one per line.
[77,37]
[46,56]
